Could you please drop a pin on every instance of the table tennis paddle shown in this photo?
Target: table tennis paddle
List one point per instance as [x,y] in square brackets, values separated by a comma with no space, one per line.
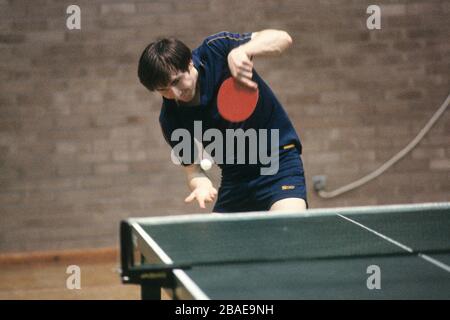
[235,101]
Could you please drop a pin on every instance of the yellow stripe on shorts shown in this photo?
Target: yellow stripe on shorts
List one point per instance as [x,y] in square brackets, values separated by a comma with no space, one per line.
[289,146]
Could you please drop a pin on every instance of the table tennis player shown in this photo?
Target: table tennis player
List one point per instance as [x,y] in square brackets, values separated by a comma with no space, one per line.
[189,82]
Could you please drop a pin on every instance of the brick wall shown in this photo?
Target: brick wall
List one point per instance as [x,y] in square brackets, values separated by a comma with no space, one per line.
[80,144]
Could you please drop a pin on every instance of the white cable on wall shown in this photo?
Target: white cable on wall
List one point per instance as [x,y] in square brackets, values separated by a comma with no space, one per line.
[390,162]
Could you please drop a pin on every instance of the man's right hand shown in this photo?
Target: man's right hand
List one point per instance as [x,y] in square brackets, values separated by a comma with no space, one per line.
[203,193]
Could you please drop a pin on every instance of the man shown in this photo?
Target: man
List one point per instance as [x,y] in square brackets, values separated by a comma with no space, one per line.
[189,82]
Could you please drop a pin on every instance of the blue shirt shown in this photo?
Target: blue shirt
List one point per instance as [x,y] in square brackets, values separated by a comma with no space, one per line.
[210,59]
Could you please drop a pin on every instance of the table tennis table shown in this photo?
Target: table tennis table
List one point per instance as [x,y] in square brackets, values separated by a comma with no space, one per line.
[369,252]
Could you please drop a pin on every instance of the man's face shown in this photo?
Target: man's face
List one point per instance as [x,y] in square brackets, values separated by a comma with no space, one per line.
[182,85]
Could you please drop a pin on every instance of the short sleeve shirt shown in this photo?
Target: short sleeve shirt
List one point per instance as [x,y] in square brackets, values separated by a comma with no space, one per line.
[210,60]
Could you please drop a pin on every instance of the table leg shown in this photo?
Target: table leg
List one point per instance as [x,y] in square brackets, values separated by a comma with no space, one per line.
[149,292]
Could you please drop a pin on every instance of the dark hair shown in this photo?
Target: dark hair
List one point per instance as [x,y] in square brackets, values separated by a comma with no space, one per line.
[161,58]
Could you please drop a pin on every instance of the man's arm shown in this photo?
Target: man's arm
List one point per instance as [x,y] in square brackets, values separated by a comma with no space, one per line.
[200,185]
[195,176]
[266,42]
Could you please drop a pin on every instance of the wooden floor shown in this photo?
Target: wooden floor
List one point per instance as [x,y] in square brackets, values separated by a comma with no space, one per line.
[43,276]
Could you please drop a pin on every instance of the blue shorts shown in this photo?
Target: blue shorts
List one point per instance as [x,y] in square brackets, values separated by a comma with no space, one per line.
[262,191]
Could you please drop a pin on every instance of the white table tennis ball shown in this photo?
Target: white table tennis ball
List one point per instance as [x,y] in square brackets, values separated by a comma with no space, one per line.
[206,164]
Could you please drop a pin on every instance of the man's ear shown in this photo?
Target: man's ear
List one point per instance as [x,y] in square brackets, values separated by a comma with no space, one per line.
[191,65]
